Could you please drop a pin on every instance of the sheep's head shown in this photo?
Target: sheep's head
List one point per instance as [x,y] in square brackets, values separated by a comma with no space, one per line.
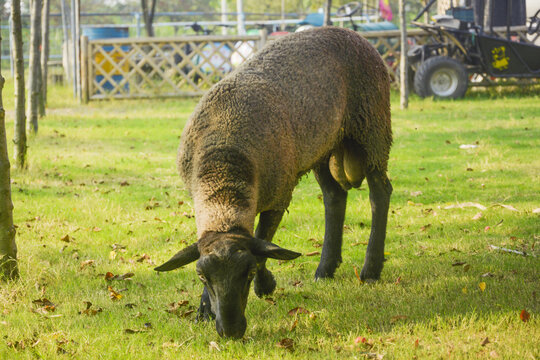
[227,263]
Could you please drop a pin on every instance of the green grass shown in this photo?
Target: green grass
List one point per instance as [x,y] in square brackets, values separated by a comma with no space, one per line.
[104,174]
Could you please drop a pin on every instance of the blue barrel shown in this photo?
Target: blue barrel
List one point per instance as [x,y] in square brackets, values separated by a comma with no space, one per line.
[96,33]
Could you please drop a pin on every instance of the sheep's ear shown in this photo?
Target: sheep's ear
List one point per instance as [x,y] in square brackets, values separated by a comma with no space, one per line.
[267,249]
[183,257]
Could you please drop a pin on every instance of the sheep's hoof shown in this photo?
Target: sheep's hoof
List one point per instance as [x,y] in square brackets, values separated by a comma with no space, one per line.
[371,273]
[205,312]
[322,273]
[264,283]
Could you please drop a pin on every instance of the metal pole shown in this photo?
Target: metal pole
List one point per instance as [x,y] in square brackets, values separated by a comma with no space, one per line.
[138,19]
[74,48]
[241,17]
[65,21]
[224,16]
[283,15]
[78,45]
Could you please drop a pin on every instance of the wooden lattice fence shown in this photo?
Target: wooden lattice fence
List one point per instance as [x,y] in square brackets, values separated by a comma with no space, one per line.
[183,66]
[190,65]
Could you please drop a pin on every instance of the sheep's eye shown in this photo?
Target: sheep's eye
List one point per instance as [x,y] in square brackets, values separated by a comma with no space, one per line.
[202,278]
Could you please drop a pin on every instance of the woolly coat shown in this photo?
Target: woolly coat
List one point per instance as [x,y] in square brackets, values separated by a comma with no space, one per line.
[280,114]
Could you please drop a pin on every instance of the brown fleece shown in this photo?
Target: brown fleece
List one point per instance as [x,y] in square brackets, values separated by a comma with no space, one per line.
[276,117]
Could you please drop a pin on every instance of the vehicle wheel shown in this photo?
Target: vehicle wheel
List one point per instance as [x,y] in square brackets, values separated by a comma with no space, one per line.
[442,77]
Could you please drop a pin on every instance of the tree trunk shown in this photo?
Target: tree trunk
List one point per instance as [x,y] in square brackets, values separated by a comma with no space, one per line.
[148,16]
[328,13]
[44,55]
[8,248]
[34,77]
[403,64]
[19,137]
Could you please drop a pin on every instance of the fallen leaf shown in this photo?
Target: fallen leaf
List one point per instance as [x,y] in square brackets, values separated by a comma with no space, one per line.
[357,275]
[416,193]
[466,267]
[487,228]
[464,290]
[313,253]
[132,331]
[113,294]
[466,204]
[482,286]
[108,276]
[213,346]
[509,207]
[425,227]
[478,216]
[485,342]
[360,340]
[416,343]
[398,280]
[297,310]
[89,311]
[524,315]
[96,229]
[124,183]
[65,238]
[286,344]
[293,326]
[87,263]
[493,354]
[458,263]
[43,302]
[130,305]
[536,211]
[488,274]
[270,301]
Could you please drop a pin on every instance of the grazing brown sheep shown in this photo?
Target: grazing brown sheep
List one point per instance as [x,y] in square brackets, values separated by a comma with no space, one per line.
[316,100]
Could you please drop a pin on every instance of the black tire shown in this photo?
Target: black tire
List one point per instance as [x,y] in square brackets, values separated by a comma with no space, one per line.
[441,77]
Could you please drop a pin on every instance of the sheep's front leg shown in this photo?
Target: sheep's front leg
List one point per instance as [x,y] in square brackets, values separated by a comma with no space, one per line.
[205,310]
[264,283]
[380,190]
[335,201]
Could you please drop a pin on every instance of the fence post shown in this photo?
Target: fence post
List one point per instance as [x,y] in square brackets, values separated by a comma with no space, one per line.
[84,69]
[264,37]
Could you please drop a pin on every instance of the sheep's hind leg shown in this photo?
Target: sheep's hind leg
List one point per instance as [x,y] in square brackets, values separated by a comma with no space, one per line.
[205,310]
[380,190]
[264,283]
[335,201]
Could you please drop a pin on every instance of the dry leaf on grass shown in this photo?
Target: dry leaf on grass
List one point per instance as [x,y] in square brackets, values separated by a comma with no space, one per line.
[297,310]
[524,315]
[87,263]
[89,310]
[115,296]
[482,286]
[466,204]
[286,343]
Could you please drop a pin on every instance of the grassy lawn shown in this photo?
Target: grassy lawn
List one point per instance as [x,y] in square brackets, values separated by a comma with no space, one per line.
[102,195]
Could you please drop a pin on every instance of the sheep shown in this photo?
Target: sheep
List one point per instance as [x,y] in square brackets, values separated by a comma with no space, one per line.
[316,100]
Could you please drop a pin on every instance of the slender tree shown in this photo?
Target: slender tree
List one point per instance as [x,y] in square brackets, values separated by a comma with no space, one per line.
[148,15]
[328,13]
[44,55]
[34,80]
[8,248]
[19,137]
